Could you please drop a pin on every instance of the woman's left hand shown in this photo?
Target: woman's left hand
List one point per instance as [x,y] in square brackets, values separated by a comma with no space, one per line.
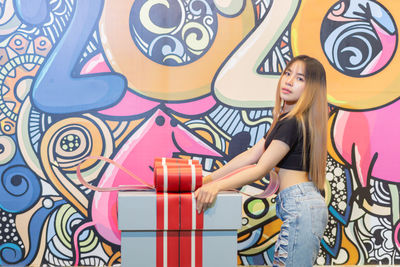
[206,195]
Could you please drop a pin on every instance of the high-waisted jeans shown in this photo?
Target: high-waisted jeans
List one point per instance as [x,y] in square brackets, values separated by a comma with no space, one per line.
[305,215]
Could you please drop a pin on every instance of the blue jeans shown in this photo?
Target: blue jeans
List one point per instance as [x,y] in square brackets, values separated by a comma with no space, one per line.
[305,216]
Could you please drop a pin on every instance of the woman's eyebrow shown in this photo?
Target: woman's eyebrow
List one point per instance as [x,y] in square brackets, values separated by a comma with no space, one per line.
[299,73]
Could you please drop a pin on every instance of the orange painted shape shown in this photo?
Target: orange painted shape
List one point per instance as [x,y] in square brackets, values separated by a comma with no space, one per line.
[273,228]
[354,254]
[345,91]
[243,237]
[165,82]
[331,149]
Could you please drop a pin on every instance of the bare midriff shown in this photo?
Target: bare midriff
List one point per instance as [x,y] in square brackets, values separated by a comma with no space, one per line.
[288,177]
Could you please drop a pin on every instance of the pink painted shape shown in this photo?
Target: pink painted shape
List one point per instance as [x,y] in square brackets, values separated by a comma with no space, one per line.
[339,134]
[388,46]
[76,240]
[397,235]
[337,15]
[130,105]
[95,65]
[371,132]
[194,107]
[138,154]
[340,10]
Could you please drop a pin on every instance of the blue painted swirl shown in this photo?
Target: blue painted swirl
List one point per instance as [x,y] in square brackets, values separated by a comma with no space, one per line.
[19,189]
[36,225]
[10,254]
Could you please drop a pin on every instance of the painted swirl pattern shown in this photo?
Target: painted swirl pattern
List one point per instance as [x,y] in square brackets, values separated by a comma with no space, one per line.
[359,38]
[173,33]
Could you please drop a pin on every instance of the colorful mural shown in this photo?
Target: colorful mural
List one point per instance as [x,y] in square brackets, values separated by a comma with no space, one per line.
[134,80]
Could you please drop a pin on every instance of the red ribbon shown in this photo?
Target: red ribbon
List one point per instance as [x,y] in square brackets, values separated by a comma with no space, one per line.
[179,237]
[177,177]
[172,161]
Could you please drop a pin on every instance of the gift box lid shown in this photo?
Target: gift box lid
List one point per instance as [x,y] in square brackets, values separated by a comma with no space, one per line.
[137,211]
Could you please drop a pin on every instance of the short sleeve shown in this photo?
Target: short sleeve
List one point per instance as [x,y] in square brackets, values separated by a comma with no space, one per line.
[287,131]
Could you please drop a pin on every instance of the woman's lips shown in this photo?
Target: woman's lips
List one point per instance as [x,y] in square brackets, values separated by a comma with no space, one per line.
[285,91]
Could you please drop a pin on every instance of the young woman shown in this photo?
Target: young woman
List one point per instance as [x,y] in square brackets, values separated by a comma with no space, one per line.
[296,143]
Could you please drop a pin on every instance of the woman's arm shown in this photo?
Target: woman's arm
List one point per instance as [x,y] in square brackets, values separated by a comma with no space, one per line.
[275,152]
[248,157]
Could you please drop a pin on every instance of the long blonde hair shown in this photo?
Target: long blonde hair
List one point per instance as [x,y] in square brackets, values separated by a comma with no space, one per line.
[310,109]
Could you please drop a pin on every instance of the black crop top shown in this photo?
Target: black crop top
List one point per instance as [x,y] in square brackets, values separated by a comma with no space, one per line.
[289,131]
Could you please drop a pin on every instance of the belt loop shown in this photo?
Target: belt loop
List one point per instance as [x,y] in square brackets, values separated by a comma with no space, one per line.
[279,196]
[302,188]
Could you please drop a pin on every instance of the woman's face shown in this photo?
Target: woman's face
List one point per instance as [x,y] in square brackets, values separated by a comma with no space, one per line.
[293,83]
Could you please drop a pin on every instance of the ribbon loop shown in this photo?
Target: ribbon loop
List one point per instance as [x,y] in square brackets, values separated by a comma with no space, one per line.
[184,176]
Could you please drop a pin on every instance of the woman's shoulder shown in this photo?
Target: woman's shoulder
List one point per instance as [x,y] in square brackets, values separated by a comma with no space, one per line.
[289,121]
[290,126]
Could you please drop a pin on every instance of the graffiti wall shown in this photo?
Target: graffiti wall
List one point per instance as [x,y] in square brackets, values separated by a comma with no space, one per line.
[137,79]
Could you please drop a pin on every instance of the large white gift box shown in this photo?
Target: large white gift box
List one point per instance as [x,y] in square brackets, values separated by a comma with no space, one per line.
[165,230]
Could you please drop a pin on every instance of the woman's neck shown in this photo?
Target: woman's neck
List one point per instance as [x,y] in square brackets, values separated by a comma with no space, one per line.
[287,107]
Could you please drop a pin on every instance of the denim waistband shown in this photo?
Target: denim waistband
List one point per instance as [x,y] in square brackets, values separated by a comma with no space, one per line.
[298,189]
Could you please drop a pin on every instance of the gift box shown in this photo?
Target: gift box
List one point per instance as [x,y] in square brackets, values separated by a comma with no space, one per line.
[164,229]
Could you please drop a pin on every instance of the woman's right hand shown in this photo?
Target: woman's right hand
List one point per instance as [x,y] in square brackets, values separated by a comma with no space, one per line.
[206,195]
